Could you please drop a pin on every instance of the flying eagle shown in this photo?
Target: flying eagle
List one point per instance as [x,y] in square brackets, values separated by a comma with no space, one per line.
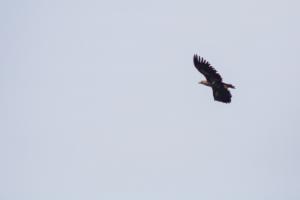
[213,80]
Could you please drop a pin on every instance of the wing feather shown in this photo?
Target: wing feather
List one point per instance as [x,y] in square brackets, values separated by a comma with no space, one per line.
[206,69]
[222,94]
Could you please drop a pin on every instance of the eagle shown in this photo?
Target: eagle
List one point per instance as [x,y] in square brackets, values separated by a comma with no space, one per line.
[213,80]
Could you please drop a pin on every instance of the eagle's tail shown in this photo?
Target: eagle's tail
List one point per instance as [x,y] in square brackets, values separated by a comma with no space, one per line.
[229,85]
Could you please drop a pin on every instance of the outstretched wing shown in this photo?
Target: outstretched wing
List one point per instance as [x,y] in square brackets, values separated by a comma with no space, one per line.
[221,94]
[206,69]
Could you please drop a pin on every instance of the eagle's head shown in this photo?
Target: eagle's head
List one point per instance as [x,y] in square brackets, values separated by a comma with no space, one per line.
[204,82]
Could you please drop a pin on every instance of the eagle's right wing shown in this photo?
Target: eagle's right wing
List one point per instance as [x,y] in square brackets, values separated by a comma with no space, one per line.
[221,94]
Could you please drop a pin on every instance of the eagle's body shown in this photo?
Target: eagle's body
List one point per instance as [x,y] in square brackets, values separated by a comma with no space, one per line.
[213,80]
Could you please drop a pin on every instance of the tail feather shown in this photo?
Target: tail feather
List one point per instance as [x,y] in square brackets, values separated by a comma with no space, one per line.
[229,85]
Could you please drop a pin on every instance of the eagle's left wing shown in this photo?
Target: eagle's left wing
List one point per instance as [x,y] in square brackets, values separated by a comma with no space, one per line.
[206,69]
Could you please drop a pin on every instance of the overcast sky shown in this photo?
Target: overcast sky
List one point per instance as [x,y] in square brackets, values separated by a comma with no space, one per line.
[99,100]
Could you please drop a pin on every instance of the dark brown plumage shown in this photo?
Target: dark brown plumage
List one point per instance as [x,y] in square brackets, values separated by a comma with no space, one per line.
[213,80]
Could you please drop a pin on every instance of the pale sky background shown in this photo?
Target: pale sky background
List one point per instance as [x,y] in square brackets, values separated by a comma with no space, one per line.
[100,101]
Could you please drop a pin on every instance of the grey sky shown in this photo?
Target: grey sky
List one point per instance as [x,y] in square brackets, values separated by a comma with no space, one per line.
[99,100]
